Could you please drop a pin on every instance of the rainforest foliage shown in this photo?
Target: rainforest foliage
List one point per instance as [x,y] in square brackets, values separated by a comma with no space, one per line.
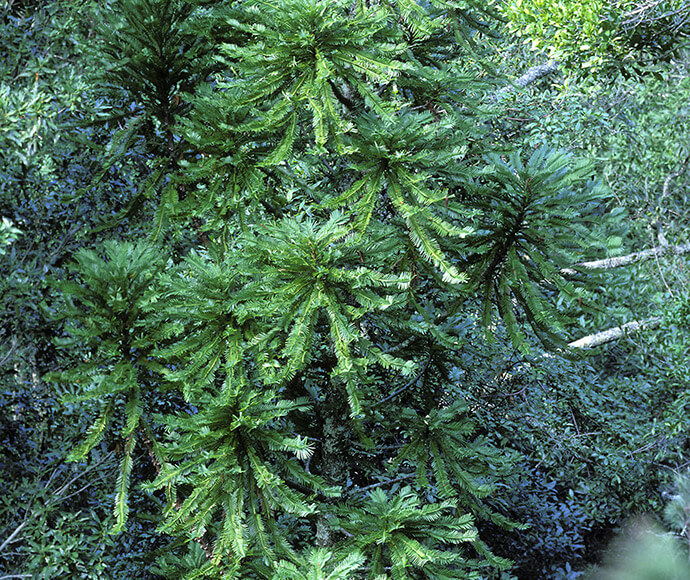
[290,287]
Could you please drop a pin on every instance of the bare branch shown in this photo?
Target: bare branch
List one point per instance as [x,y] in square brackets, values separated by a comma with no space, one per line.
[615,333]
[13,535]
[536,72]
[533,74]
[8,355]
[609,263]
[382,483]
[671,177]
[644,13]
[405,386]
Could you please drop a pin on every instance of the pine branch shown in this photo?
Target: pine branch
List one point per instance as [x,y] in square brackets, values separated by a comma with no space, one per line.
[609,263]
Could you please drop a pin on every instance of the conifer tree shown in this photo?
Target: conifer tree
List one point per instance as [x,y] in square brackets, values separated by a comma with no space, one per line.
[349,213]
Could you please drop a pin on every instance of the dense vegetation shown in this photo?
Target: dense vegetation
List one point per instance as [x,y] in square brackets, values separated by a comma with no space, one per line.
[303,289]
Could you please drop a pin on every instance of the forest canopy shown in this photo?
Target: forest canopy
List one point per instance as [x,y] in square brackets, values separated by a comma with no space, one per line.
[297,289]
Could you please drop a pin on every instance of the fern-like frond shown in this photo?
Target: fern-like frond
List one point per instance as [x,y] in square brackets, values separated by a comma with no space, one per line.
[533,213]
[414,535]
[121,508]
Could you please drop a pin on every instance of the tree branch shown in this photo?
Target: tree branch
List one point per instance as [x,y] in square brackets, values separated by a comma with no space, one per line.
[13,535]
[534,73]
[605,336]
[609,263]
[405,386]
[382,483]
[341,97]
[671,177]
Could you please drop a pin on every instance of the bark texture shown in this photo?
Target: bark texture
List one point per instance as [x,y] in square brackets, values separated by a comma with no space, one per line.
[614,333]
[609,263]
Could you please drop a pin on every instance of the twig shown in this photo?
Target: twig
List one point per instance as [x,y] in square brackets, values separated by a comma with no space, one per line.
[55,254]
[382,483]
[13,535]
[667,182]
[79,474]
[664,244]
[638,15]
[572,416]
[404,344]
[513,394]
[8,355]
[405,386]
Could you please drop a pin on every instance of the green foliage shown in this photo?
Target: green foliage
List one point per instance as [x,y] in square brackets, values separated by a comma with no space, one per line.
[680,312]
[582,32]
[38,85]
[295,55]
[523,201]
[61,528]
[634,132]
[653,554]
[319,564]
[596,34]
[309,273]
[232,456]
[644,551]
[358,219]
[53,516]
[154,55]
[336,218]
[636,135]
[414,160]
[591,445]
[106,315]
[400,535]
[8,234]
[677,512]
[440,444]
